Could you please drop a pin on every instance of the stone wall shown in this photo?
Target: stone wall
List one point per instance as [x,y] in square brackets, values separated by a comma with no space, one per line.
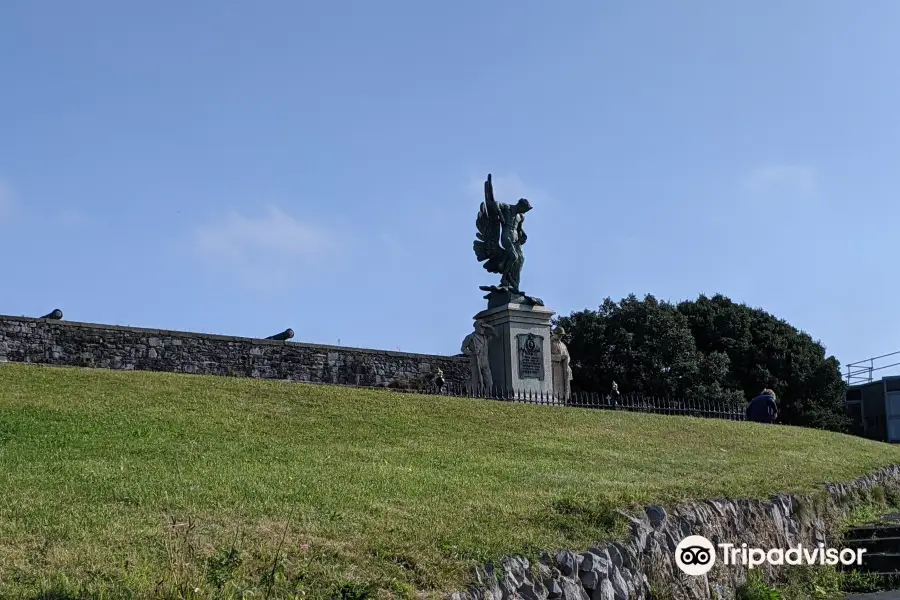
[130,348]
[642,567]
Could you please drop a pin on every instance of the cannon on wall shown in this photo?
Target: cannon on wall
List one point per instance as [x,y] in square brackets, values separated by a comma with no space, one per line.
[283,336]
[56,315]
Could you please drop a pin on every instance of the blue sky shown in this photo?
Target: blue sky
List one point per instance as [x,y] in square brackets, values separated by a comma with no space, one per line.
[240,168]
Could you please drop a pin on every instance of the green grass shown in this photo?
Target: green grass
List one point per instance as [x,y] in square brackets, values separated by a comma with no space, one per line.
[129,484]
[813,583]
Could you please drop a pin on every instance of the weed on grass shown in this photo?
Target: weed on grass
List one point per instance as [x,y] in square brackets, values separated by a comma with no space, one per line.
[811,583]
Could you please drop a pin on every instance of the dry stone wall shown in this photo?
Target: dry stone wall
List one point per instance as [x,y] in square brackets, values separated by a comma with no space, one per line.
[68,343]
[643,566]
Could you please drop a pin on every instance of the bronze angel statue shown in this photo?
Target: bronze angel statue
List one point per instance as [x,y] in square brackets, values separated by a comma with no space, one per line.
[499,244]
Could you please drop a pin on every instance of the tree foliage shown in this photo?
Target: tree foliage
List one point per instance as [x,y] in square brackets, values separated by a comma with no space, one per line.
[708,348]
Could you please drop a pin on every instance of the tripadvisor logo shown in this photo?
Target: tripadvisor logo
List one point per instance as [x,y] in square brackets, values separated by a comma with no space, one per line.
[695,555]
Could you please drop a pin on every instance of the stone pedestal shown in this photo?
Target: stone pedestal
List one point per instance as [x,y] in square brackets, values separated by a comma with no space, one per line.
[520,352]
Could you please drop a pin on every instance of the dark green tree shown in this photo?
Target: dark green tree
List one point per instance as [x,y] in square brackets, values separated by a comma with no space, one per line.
[646,347]
[709,348]
[765,351]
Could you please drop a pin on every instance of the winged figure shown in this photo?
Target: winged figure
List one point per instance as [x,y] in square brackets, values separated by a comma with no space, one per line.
[500,238]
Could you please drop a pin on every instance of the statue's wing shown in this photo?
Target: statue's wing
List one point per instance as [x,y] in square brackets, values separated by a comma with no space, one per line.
[489,202]
[489,223]
[487,244]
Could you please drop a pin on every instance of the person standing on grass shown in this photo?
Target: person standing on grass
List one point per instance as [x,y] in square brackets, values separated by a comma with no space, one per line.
[763,408]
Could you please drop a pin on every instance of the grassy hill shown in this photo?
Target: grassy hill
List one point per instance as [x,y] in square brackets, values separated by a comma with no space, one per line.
[131,483]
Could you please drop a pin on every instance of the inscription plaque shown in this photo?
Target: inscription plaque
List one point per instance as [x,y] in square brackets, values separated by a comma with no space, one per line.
[531,356]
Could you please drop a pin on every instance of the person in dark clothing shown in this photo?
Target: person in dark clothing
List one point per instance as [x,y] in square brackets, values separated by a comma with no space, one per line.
[763,408]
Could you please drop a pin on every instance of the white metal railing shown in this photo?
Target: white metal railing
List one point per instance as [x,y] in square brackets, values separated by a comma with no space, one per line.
[864,370]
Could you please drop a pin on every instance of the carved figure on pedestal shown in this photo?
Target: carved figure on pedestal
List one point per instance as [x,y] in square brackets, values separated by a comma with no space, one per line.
[475,346]
[499,244]
[562,369]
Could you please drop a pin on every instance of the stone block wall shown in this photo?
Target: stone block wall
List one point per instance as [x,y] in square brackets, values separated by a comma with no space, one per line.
[642,566]
[68,343]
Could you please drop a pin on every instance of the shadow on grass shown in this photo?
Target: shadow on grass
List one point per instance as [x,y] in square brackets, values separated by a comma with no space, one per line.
[573,515]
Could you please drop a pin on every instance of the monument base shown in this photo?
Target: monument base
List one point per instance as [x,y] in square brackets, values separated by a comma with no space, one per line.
[520,351]
[501,296]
